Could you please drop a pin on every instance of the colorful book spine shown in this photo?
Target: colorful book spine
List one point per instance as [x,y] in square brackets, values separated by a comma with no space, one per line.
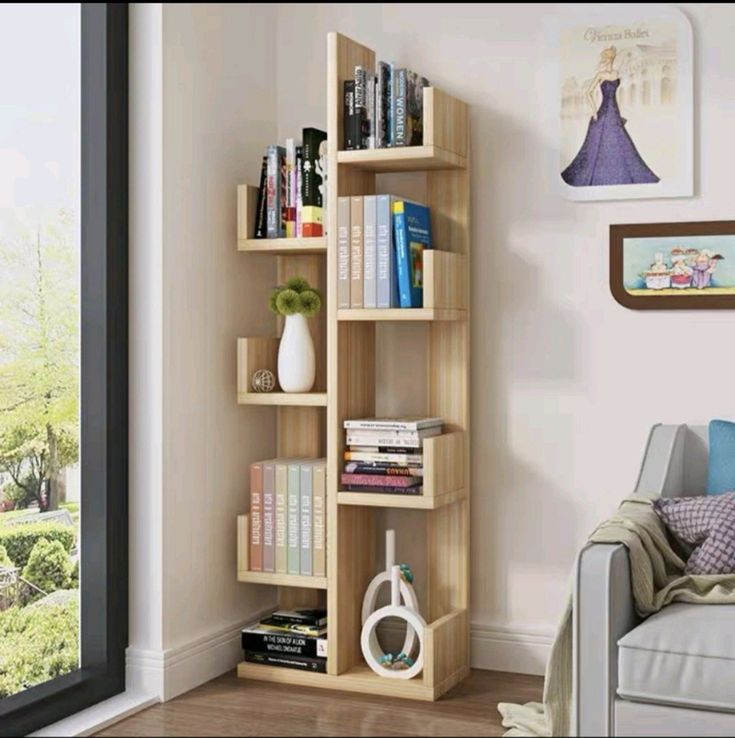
[415,109]
[370,480]
[313,182]
[290,188]
[269,538]
[388,470]
[276,183]
[399,106]
[281,518]
[256,517]
[283,644]
[299,195]
[319,504]
[301,663]
[306,512]
[386,284]
[260,207]
[343,252]
[370,257]
[356,222]
[361,105]
[294,526]
[349,118]
[412,230]
[382,106]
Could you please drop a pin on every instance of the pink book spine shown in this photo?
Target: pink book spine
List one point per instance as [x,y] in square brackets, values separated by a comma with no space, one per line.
[368,480]
[256,517]
[269,512]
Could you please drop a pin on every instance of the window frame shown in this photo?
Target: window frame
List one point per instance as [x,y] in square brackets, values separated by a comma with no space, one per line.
[104,384]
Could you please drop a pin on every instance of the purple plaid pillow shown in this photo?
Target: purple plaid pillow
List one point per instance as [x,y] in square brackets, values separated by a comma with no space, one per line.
[707,524]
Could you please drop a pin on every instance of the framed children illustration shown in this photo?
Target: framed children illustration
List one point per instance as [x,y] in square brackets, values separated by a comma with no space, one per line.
[624,102]
[673,265]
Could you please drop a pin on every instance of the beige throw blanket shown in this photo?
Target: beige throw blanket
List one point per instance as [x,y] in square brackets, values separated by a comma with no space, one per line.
[658,579]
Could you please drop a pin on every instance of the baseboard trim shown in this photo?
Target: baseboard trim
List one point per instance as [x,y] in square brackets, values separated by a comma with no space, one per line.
[500,648]
[174,671]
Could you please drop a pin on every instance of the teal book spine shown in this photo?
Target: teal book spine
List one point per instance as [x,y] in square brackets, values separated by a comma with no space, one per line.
[306,497]
[294,523]
[412,226]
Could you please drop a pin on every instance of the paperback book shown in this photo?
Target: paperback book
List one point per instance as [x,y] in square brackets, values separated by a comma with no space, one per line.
[301,663]
[412,226]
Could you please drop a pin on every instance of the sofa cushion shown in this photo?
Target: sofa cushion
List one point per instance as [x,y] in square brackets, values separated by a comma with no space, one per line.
[721,472]
[707,524]
[682,655]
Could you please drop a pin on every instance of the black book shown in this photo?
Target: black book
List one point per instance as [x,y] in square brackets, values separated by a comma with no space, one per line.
[301,663]
[304,616]
[283,644]
[350,121]
[260,208]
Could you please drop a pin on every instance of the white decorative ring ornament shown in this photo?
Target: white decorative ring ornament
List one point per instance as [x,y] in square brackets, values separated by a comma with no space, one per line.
[371,650]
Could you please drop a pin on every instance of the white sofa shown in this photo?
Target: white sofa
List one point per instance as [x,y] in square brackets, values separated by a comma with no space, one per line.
[672,674]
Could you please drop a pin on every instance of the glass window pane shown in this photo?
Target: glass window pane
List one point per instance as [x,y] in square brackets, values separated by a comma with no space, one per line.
[40,89]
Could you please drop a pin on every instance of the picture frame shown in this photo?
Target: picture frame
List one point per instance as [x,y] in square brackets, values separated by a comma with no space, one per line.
[673,266]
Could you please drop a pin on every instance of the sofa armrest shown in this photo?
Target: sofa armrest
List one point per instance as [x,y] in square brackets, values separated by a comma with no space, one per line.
[603,611]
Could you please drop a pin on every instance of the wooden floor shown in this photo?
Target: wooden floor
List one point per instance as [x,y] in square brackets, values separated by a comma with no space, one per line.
[231,707]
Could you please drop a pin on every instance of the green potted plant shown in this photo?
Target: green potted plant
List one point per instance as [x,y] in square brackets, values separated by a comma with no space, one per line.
[296,301]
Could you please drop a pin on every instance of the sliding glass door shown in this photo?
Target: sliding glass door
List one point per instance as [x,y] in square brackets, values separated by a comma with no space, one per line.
[63,359]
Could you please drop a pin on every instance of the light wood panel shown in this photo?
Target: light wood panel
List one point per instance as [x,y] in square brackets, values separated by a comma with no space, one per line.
[445,280]
[445,656]
[300,432]
[403,159]
[398,315]
[401,502]
[445,122]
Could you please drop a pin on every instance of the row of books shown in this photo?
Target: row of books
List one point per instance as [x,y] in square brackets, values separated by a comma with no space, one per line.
[291,196]
[385,455]
[292,639]
[380,245]
[383,107]
[288,516]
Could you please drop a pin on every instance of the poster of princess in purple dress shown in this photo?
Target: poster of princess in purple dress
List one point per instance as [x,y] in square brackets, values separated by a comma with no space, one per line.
[625,103]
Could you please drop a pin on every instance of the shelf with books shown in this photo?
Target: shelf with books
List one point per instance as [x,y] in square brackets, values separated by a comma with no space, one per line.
[277,579]
[247,198]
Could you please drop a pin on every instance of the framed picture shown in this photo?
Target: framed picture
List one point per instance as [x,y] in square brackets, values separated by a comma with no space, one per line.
[624,98]
[673,265]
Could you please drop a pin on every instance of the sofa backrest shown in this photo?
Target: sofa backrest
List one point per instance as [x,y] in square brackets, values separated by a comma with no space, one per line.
[675,462]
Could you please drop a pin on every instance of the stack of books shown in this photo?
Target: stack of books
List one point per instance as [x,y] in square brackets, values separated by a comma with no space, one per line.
[293,639]
[380,245]
[383,107]
[385,455]
[288,516]
[291,195]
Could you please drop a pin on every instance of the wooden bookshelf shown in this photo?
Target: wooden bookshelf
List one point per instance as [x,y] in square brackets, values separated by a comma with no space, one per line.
[345,342]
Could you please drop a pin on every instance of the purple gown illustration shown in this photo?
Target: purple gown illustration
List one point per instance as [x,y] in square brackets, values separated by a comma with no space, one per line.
[608,155]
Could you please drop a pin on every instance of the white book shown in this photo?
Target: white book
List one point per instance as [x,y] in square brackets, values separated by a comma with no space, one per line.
[369,252]
[343,252]
[397,424]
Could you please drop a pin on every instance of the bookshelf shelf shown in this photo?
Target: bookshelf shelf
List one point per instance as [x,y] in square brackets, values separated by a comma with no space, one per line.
[281,580]
[291,399]
[282,246]
[346,343]
[403,159]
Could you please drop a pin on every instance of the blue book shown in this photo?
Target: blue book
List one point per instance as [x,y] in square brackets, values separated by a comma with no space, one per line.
[412,229]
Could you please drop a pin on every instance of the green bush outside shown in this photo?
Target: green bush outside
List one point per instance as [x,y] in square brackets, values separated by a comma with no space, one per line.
[5,562]
[19,540]
[49,567]
[37,643]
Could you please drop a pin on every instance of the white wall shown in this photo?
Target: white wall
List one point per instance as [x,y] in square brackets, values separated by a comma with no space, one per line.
[566,383]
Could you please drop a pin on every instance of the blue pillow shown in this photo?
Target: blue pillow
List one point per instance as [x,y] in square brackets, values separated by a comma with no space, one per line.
[721,477]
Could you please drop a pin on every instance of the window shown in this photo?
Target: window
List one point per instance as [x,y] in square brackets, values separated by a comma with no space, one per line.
[63,359]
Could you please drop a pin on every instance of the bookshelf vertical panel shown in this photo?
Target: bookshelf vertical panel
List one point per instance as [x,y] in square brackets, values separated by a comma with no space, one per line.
[300,432]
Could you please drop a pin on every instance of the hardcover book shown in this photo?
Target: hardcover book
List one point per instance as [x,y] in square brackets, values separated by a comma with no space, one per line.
[383,490]
[290,188]
[387,284]
[382,106]
[259,640]
[281,517]
[350,127]
[260,207]
[370,124]
[392,104]
[302,663]
[320,520]
[276,192]
[303,628]
[398,439]
[299,186]
[294,523]
[415,109]
[400,77]
[361,105]
[313,182]
[256,517]
[343,252]
[409,423]
[304,615]
[356,222]
[269,541]
[370,257]
[412,224]
[306,512]
[380,470]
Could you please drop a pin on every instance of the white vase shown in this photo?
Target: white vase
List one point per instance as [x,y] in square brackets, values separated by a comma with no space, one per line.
[296,363]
